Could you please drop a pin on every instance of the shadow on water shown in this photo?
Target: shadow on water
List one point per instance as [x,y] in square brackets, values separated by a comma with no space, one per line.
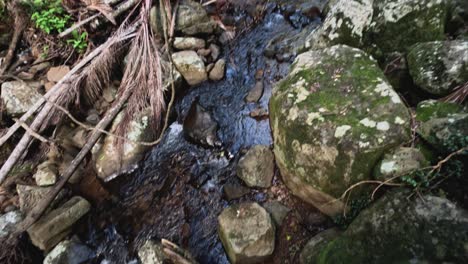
[176,193]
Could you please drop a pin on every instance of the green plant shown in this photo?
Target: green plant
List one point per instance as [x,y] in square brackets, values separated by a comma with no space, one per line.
[79,41]
[49,16]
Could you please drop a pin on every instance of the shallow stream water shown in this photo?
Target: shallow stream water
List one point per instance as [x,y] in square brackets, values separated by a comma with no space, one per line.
[177,191]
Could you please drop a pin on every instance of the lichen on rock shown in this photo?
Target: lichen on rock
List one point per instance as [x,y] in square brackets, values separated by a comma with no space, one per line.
[332,118]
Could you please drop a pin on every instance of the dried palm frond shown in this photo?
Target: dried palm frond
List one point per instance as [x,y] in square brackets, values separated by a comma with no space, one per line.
[90,82]
[103,8]
[143,75]
[458,96]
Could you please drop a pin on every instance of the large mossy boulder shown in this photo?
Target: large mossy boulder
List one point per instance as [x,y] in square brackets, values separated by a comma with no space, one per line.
[438,67]
[397,230]
[333,117]
[381,27]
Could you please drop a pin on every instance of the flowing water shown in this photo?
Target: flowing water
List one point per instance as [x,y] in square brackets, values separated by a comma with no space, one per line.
[177,192]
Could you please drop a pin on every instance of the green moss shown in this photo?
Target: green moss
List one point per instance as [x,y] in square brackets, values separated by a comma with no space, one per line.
[427,110]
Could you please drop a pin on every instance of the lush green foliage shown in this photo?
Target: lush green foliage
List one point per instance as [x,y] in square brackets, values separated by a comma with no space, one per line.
[49,16]
[79,41]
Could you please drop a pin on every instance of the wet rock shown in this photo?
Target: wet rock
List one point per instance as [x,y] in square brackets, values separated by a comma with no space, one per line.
[315,244]
[217,73]
[30,195]
[55,74]
[151,253]
[277,211]
[46,174]
[18,97]
[259,113]
[111,161]
[191,66]
[439,67]
[397,230]
[381,27]
[255,93]
[204,53]
[247,233]
[8,222]
[399,162]
[215,51]
[234,191]
[192,19]
[332,118]
[69,252]
[51,228]
[189,43]
[256,167]
[200,126]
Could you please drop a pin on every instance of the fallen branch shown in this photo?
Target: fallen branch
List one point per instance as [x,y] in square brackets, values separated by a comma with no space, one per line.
[42,205]
[42,115]
[95,18]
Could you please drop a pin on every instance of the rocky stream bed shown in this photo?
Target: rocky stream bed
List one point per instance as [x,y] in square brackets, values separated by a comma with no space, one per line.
[302,132]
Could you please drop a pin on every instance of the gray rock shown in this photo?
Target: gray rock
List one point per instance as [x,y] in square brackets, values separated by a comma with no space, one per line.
[51,228]
[191,66]
[396,229]
[109,162]
[247,233]
[30,195]
[217,73]
[439,67]
[200,126]
[255,93]
[234,191]
[18,97]
[151,253]
[8,222]
[332,118]
[256,167]
[446,134]
[189,43]
[192,19]
[381,26]
[215,51]
[69,252]
[399,162]
[46,174]
[277,211]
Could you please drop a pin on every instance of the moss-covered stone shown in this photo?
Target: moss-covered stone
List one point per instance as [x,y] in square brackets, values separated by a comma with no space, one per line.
[439,66]
[446,134]
[332,118]
[381,27]
[430,109]
[398,230]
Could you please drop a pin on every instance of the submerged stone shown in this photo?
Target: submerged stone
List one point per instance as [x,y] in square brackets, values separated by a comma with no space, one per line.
[69,252]
[332,118]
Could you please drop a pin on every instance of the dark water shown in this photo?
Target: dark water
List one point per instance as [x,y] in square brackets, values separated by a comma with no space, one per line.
[176,193]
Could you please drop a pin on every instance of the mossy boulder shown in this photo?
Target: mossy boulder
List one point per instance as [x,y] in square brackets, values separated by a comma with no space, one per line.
[381,27]
[438,67]
[397,230]
[443,125]
[332,119]
[192,19]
